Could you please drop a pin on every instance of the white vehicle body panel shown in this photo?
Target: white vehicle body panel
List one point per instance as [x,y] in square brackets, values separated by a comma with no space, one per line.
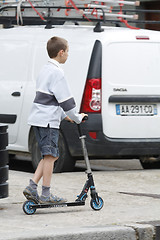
[131,68]
[127,63]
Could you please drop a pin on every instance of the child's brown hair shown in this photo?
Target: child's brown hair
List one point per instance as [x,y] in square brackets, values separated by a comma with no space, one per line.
[54,45]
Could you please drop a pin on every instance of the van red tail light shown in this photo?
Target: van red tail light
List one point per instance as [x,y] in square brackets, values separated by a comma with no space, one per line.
[93,135]
[91,101]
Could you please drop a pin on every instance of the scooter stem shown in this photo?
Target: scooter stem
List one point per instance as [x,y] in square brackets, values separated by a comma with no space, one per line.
[84,149]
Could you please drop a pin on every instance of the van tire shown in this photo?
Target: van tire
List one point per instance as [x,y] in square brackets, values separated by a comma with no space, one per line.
[150,162]
[35,151]
[65,163]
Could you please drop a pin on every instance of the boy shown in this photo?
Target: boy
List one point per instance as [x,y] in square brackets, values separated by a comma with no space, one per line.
[51,104]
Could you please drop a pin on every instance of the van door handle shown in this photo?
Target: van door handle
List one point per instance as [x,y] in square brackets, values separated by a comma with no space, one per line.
[16,94]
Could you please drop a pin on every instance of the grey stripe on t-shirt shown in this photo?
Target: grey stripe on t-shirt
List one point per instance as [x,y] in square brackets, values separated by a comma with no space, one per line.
[45,99]
[68,104]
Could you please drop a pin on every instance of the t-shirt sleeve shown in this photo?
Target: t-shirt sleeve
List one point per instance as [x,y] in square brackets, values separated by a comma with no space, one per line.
[66,101]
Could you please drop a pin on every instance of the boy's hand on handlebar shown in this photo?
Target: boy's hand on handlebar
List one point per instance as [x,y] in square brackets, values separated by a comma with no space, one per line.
[69,120]
[83,116]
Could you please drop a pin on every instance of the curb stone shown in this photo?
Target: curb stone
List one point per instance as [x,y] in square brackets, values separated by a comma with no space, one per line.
[156,225]
[127,232]
[143,231]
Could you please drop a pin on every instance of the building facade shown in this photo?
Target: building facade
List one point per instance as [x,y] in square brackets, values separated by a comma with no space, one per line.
[150,16]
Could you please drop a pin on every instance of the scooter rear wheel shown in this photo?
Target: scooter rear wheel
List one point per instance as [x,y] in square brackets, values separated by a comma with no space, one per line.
[96,206]
[27,207]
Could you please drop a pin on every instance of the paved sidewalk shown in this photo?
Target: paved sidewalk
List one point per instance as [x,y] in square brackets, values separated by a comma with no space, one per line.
[129,216]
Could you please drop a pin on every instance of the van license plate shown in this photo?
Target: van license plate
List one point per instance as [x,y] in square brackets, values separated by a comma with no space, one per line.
[136,110]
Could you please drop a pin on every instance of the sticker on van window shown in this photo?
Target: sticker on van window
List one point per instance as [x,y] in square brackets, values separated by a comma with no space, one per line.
[136,109]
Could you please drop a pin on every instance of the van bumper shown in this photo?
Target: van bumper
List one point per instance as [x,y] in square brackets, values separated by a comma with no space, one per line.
[103,146]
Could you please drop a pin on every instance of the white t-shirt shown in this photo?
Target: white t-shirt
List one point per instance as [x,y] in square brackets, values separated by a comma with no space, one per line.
[53,99]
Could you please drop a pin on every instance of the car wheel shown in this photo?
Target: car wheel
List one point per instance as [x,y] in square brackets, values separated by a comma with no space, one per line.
[35,152]
[150,162]
[64,163]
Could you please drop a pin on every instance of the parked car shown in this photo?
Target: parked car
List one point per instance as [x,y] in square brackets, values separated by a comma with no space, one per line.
[114,76]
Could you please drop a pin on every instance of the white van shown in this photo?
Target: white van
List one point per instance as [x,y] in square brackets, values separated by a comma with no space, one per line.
[114,76]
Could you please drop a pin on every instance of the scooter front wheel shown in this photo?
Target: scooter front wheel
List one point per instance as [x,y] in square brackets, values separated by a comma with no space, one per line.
[27,207]
[96,205]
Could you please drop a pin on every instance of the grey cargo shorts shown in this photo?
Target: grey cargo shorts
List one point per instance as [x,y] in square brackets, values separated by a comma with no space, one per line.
[47,139]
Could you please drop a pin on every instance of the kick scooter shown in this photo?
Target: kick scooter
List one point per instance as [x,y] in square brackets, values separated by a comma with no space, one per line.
[96,203]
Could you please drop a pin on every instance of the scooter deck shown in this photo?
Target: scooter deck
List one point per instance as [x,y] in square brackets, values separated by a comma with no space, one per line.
[54,205]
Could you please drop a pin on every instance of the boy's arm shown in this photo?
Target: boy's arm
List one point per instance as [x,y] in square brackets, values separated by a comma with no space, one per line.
[69,107]
[68,119]
[62,93]
[63,115]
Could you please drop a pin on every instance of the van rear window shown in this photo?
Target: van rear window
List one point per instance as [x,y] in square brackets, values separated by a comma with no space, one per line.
[132,63]
[14,60]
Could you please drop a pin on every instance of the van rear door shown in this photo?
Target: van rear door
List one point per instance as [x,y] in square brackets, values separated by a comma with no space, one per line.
[131,89]
[14,62]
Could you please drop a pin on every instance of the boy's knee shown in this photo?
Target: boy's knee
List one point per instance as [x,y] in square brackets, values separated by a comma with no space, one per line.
[56,158]
[50,158]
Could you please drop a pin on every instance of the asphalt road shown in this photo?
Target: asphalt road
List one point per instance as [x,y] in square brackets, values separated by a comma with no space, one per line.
[23,163]
[130,198]
[112,165]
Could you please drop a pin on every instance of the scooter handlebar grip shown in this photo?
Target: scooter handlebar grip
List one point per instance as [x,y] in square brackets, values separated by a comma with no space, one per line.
[85,118]
[79,125]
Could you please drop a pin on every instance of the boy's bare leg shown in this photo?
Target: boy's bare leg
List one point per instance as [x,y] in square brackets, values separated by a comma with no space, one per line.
[31,190]
[46,196]
[45,170]
[48,164]
[39,172]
